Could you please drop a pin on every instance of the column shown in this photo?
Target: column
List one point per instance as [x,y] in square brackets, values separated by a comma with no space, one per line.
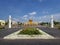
[52,23]
[9,21]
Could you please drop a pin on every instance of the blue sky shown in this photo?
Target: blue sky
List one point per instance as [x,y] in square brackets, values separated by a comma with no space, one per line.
[23,10]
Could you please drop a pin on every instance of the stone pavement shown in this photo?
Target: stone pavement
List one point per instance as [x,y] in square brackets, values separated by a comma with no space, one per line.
[5,32]
[52,31]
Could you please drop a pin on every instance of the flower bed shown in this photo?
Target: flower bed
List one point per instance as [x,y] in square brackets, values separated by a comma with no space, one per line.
[30,31]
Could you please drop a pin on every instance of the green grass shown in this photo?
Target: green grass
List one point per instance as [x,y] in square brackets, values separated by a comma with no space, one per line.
[30,31]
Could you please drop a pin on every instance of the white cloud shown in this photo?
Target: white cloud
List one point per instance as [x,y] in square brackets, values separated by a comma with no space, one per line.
[25,16]
[56,17]
[45,12]
[47,18]
[15,19]
[32,13]
[40,0]
[44,16]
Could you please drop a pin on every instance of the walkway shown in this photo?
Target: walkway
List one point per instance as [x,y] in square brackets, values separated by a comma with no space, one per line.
[5,32]
[52,31]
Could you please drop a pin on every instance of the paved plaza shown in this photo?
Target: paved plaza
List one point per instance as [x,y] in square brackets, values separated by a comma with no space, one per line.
[52,31]
[5,32]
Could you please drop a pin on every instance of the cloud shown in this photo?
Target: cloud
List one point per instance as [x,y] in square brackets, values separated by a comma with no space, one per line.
[32,13]
[15,19]
[45,12]
[56,17]
[47,18]
[40,0]
[25,16]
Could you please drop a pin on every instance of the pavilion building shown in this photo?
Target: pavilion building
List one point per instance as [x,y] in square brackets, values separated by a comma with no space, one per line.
[31,23]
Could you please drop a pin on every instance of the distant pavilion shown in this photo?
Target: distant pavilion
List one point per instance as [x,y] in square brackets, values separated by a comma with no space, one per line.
[30,23]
